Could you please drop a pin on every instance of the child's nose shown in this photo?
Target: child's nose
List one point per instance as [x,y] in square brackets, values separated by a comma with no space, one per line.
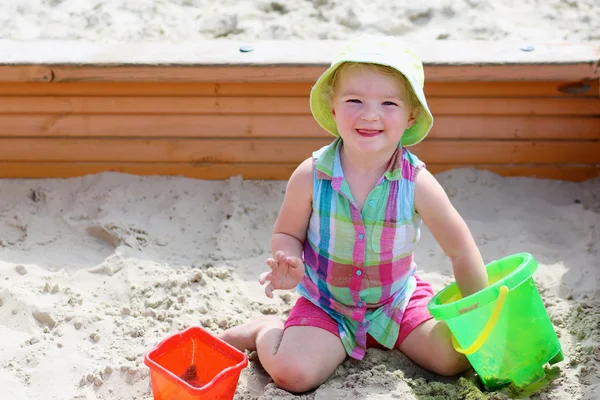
[370,113]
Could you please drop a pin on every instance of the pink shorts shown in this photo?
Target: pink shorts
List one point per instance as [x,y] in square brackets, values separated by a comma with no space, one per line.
[305,313]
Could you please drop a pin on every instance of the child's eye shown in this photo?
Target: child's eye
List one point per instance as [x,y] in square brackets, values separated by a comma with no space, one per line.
[353,101]
[389,103]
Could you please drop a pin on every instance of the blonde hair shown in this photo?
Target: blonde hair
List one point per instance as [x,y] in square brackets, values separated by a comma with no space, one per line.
[409,95]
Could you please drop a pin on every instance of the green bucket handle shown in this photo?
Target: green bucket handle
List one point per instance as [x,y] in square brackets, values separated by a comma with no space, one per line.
[487,329]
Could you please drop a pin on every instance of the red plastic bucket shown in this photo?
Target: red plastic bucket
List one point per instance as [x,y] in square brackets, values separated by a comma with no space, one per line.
[194,364]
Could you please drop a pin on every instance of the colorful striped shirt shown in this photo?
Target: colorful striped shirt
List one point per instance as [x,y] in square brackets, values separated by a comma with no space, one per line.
[359,263]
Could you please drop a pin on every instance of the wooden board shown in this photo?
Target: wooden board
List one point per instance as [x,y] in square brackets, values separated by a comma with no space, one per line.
[282,60]
[283,126]
[207,110]
[497,73]
[281,105]
[263,171]
[583,88]
[296,52]
[289,150]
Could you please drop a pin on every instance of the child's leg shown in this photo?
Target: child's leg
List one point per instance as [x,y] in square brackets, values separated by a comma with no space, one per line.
[299,358]
[306,357]
[426,341]
[430,346]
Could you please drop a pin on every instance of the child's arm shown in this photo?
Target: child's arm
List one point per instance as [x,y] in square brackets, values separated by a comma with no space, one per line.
[451,232]
[290,228]
[289,233]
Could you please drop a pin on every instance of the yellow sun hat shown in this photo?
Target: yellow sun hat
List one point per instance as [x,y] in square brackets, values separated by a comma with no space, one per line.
[383,50]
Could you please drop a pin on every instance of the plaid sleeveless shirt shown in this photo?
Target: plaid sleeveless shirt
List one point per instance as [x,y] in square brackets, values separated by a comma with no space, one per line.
[359,263]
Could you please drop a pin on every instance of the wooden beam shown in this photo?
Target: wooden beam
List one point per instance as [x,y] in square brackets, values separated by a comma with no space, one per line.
[282,105]
[282,126]
[586,88]
[434,73]
[298,52]
[288,151]
[277,61]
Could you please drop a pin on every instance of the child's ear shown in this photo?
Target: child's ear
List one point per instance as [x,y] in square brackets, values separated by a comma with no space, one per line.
[333,112]
[412,118]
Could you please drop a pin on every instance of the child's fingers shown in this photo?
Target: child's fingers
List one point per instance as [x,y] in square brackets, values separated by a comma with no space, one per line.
[279,256]
[269,290]
[264,277]
[271,263]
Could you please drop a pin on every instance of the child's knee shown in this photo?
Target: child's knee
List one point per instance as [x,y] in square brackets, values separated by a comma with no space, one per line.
[445,359]
[451,363]
[294,375]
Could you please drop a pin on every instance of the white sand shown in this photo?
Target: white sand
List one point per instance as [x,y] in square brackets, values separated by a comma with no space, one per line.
[101,268]
[98,269]
[135,20]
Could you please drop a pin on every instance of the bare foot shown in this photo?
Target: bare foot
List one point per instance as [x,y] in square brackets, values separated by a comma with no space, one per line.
[243,337]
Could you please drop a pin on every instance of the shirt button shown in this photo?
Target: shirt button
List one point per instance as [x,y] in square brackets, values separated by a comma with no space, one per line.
[361,236]
[359,272]
[371,203]
[360,304]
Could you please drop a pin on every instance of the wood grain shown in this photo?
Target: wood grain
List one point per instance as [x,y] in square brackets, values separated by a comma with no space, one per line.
[288,150]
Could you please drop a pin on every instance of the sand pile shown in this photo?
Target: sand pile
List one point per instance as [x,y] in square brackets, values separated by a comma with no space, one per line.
[94,271]
[142,20]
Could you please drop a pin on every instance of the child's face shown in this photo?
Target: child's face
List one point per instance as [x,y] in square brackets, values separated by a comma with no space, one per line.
[369,109]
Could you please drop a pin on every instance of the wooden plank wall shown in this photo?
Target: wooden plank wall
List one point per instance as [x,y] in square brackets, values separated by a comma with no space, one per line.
[547,128]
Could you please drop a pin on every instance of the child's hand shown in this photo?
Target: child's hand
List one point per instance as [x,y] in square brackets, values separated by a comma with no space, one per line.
[286,273]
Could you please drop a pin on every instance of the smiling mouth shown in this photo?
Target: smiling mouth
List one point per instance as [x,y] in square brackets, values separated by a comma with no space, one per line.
[368,132]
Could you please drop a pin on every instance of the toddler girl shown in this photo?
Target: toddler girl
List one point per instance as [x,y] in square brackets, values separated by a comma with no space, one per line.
[348,226]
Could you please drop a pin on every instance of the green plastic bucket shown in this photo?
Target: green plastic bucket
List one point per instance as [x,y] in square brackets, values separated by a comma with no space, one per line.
[504,330]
